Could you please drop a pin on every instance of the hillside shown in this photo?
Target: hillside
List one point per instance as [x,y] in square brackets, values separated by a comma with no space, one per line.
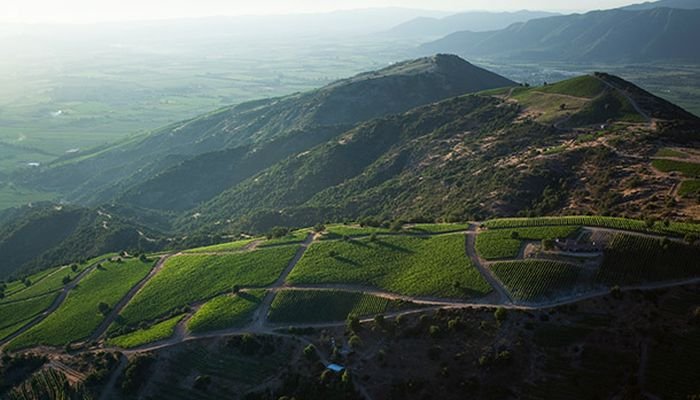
[46,235]
[680,4]
[211,153]
[474,21]
[611,36]
[561,148]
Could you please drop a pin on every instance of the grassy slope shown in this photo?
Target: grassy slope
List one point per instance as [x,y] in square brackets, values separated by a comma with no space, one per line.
[189,278]
[295,306]
[78,316]
[677,228]
[498,244]
[223,247]
[407,265]
[226,311]
[689,187]
[686,168]
[159,331]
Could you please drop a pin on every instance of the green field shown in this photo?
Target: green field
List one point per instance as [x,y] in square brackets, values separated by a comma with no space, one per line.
[438,228]
[314,306]
[189,278]
[674,228]
[223,247]
[689,188]
[632,259]
[21,311]
[500,244]
[14,287]
[410,265]
[78,316]
[226,311]
[585,86]
[667,152]
[337,231]
[686,168]
[14,196]
[48,283]
[295,237]
[159,331]
[536,280]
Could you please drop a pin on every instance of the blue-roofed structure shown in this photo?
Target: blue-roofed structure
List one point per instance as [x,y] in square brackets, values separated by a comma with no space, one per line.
[335,368]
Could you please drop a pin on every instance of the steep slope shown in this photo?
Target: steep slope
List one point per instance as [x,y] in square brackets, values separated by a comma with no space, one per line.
[659,34]
[45,235]
[505,152]
[180,166]
[474,21]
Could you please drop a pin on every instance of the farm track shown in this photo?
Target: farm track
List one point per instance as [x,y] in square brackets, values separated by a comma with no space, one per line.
[53,307]
[503,296]
[117,309]
[108,390]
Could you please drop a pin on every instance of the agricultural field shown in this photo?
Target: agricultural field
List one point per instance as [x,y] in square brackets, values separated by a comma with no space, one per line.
[226,311]
[223,247]
[15,313]
[337,231]
[686,168]
[48,283]
[670,153]
[78,316]
[689,188]
[159,331]
[233,371]
[313,306]
[506,243]
[17,286]
[189,278]
[295,237]
[437,228]
[537,280]
[409,265]
[633,259]
[674,228]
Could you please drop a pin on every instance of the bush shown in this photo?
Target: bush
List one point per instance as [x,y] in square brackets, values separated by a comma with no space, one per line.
[500,314]
[310,353]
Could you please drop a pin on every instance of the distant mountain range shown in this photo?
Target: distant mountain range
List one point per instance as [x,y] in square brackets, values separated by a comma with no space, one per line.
[475,21]
[611,36]
[682,4]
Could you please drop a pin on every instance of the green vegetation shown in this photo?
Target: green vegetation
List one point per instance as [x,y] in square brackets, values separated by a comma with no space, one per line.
[410,265]
[17,286]
[686,168]
[21,311]
[78,316]
[536,280]
[506,243]
[633,259]
[14,196]
[670,153]
[294,237]
[226,311]
[48,384]
[159,331]
[582,86]
[337,231]
[675,228]
[689,188]
[49,283]
[311,306]
[438,228]
[189,278]
[223,247]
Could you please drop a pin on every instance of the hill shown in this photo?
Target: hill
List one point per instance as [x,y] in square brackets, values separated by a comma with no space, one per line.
[554,149]
[611,36]
[182,165]
[681,4]
[475,21]
[47,235]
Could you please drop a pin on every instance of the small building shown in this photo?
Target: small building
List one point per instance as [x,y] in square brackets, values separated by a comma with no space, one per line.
[335,368]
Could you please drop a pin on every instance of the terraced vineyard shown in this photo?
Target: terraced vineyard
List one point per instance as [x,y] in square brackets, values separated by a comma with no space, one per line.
[502,244]
[78,316]
[409,265]
[223,247]
[297,306]
[189,278]
[337,231]
[676,228]
[438,228]
[159,331]
[632,259]
[226,311]
[536,280]
[295,237]
[689,188]
[14,315]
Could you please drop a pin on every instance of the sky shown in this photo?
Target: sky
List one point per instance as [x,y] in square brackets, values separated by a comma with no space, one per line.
[87,11]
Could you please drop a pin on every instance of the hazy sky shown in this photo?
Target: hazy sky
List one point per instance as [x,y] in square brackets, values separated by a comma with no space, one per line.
[111,10]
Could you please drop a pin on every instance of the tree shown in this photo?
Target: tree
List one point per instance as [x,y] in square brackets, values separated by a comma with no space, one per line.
[379,321]
[562,106]
[27,282]
[500,314]
[143,258]
[319,227]
[74,267]
[103,308]
[310,353]
[434,331]
[353,323]
[373,237]
[236,289]
[515,235]
[547,244]
[66,279]
[345,378]
[355,342]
